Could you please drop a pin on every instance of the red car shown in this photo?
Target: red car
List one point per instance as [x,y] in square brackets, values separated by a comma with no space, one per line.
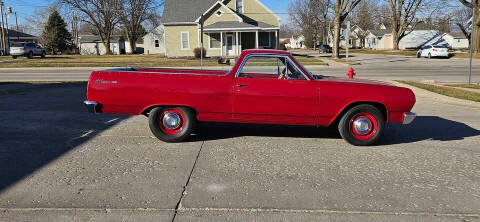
[263,87]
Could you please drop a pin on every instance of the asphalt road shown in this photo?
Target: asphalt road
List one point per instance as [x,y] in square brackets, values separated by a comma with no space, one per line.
[59,163]
[371,66]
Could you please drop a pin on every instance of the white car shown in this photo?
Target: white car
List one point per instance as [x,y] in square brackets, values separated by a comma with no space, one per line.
[430,51]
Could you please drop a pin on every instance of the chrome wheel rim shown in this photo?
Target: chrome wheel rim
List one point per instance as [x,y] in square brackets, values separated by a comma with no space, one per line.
[172,121]
[362,126]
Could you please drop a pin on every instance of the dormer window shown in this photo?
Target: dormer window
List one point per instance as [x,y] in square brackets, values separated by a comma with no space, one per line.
[239,6]
[219,13]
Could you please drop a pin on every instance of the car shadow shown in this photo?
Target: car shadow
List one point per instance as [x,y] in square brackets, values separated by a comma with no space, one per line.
[428,128]
[40,125]
[217,131]
[423,128]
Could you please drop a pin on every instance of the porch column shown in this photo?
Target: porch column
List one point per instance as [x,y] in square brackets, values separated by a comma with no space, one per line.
[236,43]
[276,39]
[221,44]
[256,39]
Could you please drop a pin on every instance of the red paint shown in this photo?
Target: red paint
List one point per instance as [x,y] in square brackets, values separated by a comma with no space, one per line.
[218,96]
[351,73]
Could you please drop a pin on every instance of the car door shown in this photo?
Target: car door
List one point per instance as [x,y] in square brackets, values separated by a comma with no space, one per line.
[267,90]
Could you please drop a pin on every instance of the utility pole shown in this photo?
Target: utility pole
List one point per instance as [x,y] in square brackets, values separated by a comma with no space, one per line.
[8,35]
[201,40]
[472,39]
[16,22]
[4,47]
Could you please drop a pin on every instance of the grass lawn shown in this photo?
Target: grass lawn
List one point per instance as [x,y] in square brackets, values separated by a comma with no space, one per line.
[471,86]
[383,52]
[465,56]
[118,61]
[445,90]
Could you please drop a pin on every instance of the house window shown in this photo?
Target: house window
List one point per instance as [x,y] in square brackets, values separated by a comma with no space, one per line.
[219,13]
[239,6]
[214,39]
[157,43]
[185,40]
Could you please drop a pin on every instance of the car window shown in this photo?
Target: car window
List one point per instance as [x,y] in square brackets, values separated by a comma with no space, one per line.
[264,67]
[18,44]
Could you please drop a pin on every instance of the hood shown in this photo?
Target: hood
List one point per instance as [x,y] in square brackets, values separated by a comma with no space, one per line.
[359,81]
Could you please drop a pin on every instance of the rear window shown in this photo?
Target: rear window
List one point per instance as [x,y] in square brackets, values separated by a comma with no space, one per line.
[18,44]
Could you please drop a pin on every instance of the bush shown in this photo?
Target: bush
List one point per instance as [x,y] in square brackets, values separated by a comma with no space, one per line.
[198,51]
[282,47]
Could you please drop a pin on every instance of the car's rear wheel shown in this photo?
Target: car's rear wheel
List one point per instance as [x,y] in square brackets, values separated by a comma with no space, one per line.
[429,55]
[30,55]
[363,125]
[419,55]
[14,57]
[172,124]
[43,55]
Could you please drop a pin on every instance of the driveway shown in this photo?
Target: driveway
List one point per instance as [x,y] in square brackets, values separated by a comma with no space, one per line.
[59,163]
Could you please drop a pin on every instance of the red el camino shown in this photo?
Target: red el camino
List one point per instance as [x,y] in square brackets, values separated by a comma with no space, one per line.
[263,87]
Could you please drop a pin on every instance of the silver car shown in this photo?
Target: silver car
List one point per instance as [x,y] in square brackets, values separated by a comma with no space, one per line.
[28,49]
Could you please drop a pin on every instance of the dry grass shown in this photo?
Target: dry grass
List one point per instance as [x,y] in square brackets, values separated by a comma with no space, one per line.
[118,61]
[468,86]
[383,52]
[465,56]
[445,90]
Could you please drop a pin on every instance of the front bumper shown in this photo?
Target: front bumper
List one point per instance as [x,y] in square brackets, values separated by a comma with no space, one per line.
[408,117]
[91,106]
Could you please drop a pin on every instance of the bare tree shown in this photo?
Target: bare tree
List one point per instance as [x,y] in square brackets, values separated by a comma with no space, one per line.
[104,15]
[311,16]
[136,12]
[474,5]
[461,17]
[404,20]
[341,10]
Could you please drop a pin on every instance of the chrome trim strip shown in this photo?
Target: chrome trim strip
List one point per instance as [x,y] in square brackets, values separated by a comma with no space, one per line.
[91,106]
[408,117]
[269,55]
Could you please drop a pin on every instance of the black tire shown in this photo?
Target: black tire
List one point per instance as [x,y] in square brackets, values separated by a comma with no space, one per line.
[345,126]
[429,55]
[187,126]
[14,57]
[30,55]
[43,55]
[419,55]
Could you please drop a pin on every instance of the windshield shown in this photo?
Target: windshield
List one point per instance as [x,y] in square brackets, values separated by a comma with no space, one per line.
[303,68]
[18,44]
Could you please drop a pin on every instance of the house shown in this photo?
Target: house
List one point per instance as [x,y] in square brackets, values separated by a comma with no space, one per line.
[374,39]
[356,38]
[92,45]
[382,39]
[456,40]
[154,42]
[13,36]
[230,26]
[418,38]
[296,42]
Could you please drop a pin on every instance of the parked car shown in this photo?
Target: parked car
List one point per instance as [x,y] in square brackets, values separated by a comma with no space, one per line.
[431,51]
[27,49]
[263,87]
[324,49]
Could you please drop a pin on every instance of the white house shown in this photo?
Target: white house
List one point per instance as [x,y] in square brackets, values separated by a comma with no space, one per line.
[456,40]
[154,41]
[418,38]
[296,42]
[357,37]
[92,45]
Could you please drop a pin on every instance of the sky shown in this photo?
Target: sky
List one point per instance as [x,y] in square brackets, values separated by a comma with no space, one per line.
[25,8]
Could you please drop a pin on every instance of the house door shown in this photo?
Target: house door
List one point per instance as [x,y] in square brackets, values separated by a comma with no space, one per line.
[230,45]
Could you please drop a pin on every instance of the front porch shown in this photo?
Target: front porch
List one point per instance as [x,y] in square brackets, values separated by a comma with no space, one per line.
[229,42]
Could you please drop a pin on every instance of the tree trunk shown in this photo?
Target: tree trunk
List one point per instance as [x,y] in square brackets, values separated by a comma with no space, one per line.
[132,43]
[108,51]
[395,39]
[336,37]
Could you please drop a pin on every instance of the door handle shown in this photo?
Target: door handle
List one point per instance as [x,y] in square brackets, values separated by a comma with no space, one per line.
[242,85]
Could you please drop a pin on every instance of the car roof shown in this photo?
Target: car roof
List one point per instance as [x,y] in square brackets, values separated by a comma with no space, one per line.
[265,51]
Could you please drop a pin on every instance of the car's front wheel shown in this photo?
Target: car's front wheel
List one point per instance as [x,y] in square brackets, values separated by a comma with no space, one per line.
[172,124]
[363,125]
[14,57]
[43,55]
[30,55]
